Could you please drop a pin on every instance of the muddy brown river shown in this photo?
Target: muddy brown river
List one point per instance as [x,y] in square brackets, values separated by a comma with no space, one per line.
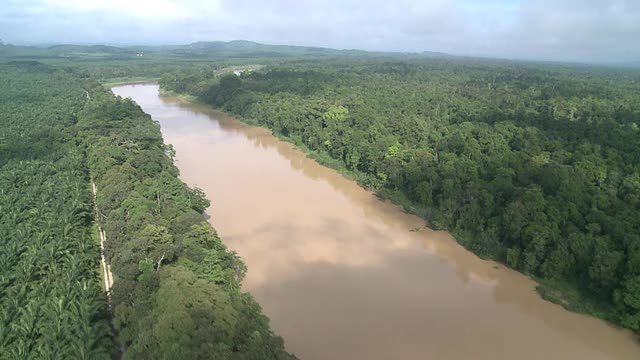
[343,275]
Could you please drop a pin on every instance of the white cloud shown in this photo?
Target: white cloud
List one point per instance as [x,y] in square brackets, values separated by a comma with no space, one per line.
[150,10]
[583,30]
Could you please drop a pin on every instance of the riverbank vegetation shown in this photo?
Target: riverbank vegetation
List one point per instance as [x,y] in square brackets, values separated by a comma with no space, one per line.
[534,165]
[176,291]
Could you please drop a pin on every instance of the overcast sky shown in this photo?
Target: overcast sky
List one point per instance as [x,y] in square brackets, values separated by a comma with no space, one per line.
[566,30]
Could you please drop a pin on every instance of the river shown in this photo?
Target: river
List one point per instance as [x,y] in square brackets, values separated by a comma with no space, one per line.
[344,275]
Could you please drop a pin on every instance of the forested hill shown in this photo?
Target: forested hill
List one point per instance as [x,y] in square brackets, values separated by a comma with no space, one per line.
[236,51]
[176,291]
[537,166]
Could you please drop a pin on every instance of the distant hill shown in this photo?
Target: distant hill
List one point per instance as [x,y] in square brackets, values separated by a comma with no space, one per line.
[236,50]
[71,50]
[250,49]
[235,45]
[435,54]
[635,64]
[245,48]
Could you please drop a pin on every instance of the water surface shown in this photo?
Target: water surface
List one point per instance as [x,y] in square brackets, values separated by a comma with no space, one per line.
[343,275]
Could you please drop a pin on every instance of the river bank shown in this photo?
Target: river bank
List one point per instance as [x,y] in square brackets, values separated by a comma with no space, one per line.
[334,267]
[558,292]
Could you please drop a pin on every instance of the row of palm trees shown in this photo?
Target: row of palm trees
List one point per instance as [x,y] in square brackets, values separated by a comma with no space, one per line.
[51,302]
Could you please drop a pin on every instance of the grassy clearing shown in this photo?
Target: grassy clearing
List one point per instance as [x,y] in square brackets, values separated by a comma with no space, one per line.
[240,68]
[184,97]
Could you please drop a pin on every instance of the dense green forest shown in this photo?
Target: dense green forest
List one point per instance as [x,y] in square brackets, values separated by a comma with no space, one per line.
[535,165]
[177,288]
[51,301]
[176,291]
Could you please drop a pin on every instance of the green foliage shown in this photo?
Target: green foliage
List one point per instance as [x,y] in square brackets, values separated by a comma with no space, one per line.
[630,299]
[176,291]
[51,301]
[533,165]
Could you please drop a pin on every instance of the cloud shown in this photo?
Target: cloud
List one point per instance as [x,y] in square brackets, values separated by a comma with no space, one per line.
[150,10]
[576,30]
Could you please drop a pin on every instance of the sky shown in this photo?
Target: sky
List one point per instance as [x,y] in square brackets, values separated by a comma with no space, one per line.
[557,30]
